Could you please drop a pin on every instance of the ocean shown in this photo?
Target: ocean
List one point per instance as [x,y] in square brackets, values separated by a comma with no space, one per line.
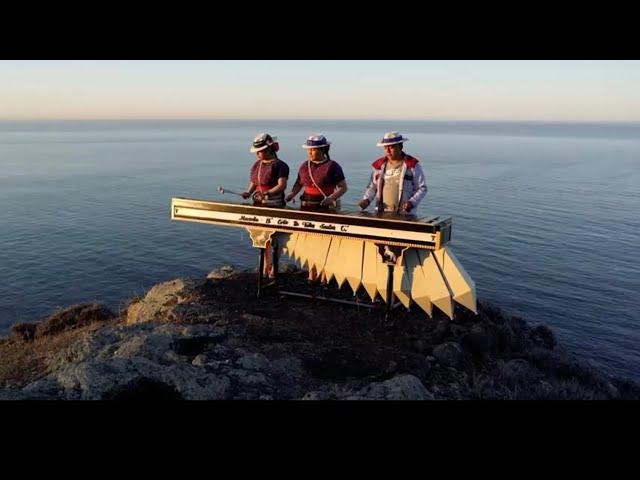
[545,215]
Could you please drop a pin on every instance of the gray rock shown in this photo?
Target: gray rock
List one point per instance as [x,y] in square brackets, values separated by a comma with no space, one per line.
[248,378]
[254,318]
[192,385]
[100,345]
[449,354]
[213,332]
[219,365]
[117,359]
[98,380]
[163,344]
[93,380]
[17,394]
[173,357]
[402,387]
[288,369]
[201,360]
[152,346]
[161,300]
[253,361]
[317,395]
[190,312]
[223,272]
[45,388]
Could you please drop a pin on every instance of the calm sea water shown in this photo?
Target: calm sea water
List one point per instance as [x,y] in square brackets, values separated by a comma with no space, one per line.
[545,215]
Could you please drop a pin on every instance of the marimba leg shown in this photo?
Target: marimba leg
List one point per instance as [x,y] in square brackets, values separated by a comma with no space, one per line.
[275,260]
[260,268]
[389,291]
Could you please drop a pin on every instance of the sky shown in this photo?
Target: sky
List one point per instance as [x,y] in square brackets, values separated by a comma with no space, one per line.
[532,90]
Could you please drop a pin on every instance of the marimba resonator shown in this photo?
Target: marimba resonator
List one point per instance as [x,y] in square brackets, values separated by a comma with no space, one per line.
[390,256]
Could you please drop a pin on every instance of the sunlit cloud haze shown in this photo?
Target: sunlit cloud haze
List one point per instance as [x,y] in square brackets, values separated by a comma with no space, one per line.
[430,90]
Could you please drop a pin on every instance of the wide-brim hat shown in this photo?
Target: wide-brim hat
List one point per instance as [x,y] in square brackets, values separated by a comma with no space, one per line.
[391,138]
[262,141]
[316,141]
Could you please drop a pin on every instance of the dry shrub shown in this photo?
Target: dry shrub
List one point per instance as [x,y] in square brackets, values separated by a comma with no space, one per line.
[75,316]
[25,331]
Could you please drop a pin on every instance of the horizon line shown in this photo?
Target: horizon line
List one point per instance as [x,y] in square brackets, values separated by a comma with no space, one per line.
[267,119]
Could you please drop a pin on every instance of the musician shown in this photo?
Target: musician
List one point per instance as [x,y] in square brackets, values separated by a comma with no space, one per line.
[267,182]
[323,182]
[269,174]
[397,182]
[322,178]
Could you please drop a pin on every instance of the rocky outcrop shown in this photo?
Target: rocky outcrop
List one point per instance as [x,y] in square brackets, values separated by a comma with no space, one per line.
[212,339]
[401,387]
[160,302]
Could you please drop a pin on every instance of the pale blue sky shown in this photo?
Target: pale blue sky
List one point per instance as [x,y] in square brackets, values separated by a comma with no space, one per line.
[345,89]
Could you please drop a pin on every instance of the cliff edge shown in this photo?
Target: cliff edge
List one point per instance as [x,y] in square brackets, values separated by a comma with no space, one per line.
[211,339]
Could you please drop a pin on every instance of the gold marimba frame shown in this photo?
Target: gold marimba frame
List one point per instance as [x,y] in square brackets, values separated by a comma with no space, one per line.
[389,255]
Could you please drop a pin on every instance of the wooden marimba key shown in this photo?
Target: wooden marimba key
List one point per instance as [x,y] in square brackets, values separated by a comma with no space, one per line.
[391,256]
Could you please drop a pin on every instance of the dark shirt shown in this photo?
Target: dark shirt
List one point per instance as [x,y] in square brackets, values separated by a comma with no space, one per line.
[269,174]
[326,175]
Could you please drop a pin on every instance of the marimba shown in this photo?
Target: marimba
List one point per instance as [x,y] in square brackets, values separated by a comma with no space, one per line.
[390,256]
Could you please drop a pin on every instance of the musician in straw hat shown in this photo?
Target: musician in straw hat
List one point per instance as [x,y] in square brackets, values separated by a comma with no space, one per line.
[322,178]
[269,174]
[397,182]
[267,182]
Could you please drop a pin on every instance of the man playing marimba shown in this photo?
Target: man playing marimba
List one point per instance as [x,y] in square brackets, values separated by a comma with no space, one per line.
[397,181]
